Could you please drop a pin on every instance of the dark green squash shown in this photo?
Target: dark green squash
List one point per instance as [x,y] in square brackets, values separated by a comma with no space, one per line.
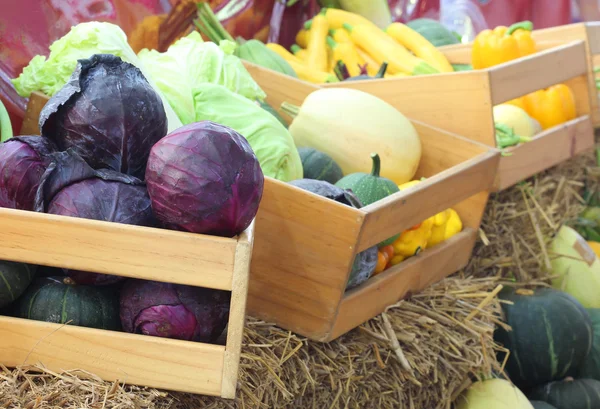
[591,365]
[538,404]
[14,279]
[319,166]
[370,188]
[435,32]
[273,112]
[570,394]
[365,262]
[59,300]
[550,338]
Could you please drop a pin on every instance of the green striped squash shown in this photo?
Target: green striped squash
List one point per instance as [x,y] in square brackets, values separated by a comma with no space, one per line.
[538,404]
[319,166]
[59,300]
[591,365]
[570,394]
[550,338]
[14,279]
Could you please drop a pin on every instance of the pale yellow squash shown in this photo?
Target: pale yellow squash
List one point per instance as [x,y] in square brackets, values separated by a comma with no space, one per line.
[349,125]
[493,394]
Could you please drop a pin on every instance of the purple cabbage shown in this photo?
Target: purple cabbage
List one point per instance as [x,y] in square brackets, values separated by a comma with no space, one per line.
[204,178]
[23,161]
[108,114]
[174,311]
[70,187]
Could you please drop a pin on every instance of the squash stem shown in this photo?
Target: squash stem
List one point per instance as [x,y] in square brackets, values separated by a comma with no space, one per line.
[290,109]
[523,25]
[376,165]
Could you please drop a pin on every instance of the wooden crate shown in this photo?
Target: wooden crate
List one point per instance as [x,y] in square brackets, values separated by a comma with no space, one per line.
[588,32]
[305,244]
[137,252]
[462,102]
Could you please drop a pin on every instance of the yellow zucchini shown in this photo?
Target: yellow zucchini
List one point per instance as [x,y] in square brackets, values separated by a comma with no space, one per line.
[302,38]
[337,18]
[419,45]
[340,36]
[346,53]
[365,58]
[307,74]
[316,57]
[383,48]
[284,53]
[298,52]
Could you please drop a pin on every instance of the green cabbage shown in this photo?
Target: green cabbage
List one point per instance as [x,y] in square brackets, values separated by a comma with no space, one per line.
[190,62]
[271,142]
[49,75]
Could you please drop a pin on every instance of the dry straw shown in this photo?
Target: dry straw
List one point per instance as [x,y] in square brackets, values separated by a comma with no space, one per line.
[421,353]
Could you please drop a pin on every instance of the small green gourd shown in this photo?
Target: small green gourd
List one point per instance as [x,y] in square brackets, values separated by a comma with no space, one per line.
[370,188]
[319,166]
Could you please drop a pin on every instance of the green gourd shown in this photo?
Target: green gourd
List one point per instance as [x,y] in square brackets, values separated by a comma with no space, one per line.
[538,404]
[14,279]
[591,365]
[60,300]
[256,52]
[569,393]
[319,166]
[370,188]
[435,32]
[550,339]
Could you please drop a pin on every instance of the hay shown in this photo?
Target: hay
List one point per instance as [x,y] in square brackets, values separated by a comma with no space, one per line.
[420,353]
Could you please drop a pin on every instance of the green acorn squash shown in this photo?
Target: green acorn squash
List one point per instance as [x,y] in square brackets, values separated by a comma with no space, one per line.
[369,188]
[591,365]
[538,404]
[319,166]
[550,338]
[435,32]
[273,112]
[570,394]
[14,279]
[59,300]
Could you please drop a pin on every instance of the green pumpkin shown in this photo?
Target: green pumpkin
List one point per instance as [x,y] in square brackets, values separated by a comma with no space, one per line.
[591,365]
[14,279]
[369,188]
[319,166]
[538,404]
[435,32]
[273,112]
[59,300]
[550,338]
[570,393]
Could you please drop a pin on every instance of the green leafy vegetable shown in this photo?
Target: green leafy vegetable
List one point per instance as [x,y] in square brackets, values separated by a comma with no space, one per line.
[191,62]
[271,142]
[83,40]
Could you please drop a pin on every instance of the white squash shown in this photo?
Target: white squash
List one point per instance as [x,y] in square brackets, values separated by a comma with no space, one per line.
[576,266]
[349,125]
[517,119]
[493,394]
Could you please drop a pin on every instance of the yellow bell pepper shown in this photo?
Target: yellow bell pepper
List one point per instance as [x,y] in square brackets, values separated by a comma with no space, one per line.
[551,106]
[411,242]
[595,246]
[445,225]
[502,44]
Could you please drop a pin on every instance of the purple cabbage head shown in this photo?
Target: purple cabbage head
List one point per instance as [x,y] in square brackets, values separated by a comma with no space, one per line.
[174,311]
[23,161]
[108,114]
[204,178]
[70,187]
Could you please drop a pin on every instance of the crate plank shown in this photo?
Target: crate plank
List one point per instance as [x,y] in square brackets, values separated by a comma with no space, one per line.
[133,359]
[114,248]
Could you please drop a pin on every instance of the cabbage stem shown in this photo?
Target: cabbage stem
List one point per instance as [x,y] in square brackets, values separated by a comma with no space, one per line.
[6,131]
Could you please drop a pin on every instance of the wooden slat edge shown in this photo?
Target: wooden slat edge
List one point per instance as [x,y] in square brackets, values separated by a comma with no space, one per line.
[540,70]
[548,149]
[237,314]
[134,359]
[403,210]
[593,32]
[412,275]
[115,248]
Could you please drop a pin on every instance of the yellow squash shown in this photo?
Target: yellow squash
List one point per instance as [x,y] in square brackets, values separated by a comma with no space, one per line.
[346,53]
[337,18]
[316,49]
[419,45]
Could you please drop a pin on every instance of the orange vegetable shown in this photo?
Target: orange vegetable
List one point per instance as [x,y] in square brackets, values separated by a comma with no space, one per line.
[388,250]
[382,261]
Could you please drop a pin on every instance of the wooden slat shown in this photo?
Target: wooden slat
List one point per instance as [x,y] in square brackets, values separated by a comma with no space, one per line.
[593,33]
[410,276]
[302,254]
[403,210]
[133,359]
[114,248]
[237,313]
[546,150]
[537,71]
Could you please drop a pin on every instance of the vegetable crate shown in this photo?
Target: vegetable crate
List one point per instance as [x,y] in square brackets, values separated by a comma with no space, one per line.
[462,102]
[306,244]
[588,32]
[138,252]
